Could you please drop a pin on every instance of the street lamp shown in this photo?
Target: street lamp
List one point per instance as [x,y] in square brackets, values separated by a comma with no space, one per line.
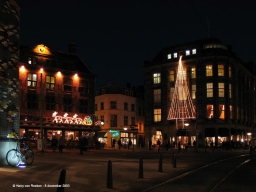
[186,124]
[41,108]
[125,129]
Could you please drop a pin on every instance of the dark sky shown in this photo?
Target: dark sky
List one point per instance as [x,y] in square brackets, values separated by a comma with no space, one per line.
[115,37]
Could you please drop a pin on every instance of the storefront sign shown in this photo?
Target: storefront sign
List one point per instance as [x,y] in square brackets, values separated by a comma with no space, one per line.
[114,133]
[65,119]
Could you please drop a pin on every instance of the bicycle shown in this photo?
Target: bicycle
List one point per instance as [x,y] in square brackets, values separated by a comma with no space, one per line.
[14,156]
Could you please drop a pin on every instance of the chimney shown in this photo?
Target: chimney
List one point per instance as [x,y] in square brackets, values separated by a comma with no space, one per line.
[72,48]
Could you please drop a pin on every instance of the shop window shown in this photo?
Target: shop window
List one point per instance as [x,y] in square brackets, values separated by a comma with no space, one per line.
[32,101]
[208,70]
[157,78]
[220,70]
[32,80]
[221,89]
[50,82]
[125,120]
[157,115]
[113,120]
[193,73]
[222,112]
[210,111]
[112,104]
[83,106]
[50,102]
[172,76]
[209,89]
[157,95]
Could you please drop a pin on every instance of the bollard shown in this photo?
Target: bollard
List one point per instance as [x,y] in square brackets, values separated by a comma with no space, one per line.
[174,163]
[109,175]
[141,168]
[160,163]
[61,180]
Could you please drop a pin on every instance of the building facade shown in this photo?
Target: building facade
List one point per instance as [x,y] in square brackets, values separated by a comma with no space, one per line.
[120,110]
[56,94]
[9,73]
[221,86]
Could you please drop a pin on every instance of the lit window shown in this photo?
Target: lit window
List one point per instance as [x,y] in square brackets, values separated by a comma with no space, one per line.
[169,56]
[210,111]
[157,115]
[209,89]
[187,52]
[221,89]
[222,112]
[193,91]
[50,82]
[230,111]
[230,91]
[175,55]
[157,78]
[157,95]
[171,76]
[32,80]
[208,70]
[193,51]
[220,70]
[171,92]
[193,73]
[229,72]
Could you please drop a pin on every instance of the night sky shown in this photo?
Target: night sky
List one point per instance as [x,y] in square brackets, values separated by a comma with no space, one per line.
[115,37]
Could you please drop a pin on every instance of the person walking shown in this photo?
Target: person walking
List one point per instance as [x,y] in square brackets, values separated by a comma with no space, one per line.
[54,143]
[119,144]
[113,143]
[61,144]
[179,147]
[158,144]
[82,143]
[129,143]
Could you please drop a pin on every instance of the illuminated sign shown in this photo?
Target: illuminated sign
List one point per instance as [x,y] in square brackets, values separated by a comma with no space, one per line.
[114,133]
[65,119]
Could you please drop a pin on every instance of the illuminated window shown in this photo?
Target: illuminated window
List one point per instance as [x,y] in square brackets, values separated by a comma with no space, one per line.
[209,89]
[125,120]
[133,121]
[67,104]
[229,72]
[157,115]
[172,78]
[171,92]
[112,104]
[230,90]
[210,111]
[193,51]
[193,73]
[222,112]
[32,80]
[221,89]
[157,95]
[83,106]
[50,102]
[208,70]
[175,55]
[32,101]
[126,106]
[102,106]
[220,70]
[132,107]
[193,94]
[230,111]
[187,52]
[113,120]
[50,82]
[169,56]
[157,78]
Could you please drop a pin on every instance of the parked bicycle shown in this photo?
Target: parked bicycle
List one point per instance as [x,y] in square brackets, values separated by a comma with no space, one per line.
[14,156]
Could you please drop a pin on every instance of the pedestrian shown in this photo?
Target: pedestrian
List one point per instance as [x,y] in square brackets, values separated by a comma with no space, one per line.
[179,147]
[129,143]
[61,144]
[54,143]
[158,144]
[113,143]
[150,144]
[119,144]
[82,143]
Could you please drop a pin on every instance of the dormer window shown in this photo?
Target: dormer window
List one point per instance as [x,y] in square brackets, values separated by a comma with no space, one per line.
[193,51]
[187,52]
[175,55]
[169,56]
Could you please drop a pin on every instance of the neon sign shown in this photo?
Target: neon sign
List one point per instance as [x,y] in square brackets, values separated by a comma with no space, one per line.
[114,133]
[65,119]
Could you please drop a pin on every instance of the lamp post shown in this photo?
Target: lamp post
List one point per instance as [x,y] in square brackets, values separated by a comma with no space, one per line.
[41,109]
